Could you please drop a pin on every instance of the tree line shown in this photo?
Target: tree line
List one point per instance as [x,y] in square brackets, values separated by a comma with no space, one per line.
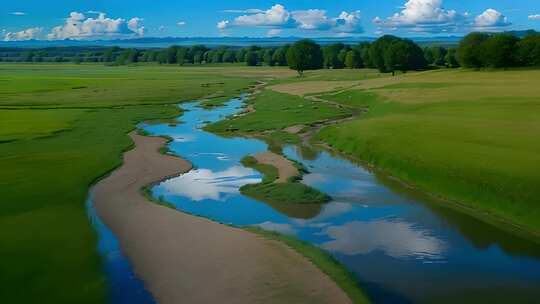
[388,54]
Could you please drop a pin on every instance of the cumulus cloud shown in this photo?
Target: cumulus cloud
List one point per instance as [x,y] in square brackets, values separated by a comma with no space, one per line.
[491,19]
[278,17]
[18,13]
[28,34]
[423,16]
[79,26]
[223,24]
[534,17]
[181,23]
[313,19]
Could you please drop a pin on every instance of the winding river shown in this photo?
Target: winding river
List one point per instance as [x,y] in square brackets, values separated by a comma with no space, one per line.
[402,246]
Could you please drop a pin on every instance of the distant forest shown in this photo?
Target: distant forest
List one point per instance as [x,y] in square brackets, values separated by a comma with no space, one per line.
[388,54]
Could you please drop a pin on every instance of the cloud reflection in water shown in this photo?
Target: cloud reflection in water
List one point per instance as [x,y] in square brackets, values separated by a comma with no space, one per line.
[203,184]
[397,239]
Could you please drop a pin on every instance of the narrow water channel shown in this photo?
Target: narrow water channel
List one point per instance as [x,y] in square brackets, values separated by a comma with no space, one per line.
[402,247]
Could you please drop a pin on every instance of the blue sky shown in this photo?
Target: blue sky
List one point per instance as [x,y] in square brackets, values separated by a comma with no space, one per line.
[60,19]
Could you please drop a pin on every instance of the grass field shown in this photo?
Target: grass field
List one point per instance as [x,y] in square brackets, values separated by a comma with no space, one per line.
[62,127]
[469,136]
[274,112]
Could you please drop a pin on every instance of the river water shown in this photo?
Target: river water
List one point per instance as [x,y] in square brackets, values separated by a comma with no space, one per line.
[402,247]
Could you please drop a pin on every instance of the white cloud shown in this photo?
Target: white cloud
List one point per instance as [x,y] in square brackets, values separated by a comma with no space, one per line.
[423,16]
[78,26]
[31,33]
[181,23]
[349,22]
[278,17]
[313,19]
[134,25]
[94,12]
[490,19]
[18,13]
[223,24]
[534,17]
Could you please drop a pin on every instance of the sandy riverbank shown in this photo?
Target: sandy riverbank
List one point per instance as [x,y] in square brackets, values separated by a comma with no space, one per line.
[187,259]
[285,167]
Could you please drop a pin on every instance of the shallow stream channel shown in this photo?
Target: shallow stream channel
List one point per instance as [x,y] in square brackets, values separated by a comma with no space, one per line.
[402,246]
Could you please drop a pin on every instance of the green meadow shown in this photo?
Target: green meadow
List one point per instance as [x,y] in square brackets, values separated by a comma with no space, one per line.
[467,136]
[61,128]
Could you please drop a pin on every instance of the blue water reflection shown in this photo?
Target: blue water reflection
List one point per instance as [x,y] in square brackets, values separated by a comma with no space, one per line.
[401,248]
[123,285]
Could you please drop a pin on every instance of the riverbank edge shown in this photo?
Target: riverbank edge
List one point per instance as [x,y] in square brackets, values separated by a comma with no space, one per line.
[322,260]
[145,191]
[309,134]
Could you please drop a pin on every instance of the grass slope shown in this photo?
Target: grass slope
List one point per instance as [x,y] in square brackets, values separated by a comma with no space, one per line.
[65,127]
[465,135]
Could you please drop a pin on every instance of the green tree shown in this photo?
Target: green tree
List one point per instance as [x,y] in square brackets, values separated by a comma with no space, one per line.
[377,51]
[390,54]
[352,60]
[198,57]
[217,56]
[304,55]
[528,51]
[171,54]
[396,57]
[340,63]
[251,58]
[241,55]
[500,51]
[109,55]
[27,56]
[363,51]
[330,55]
[470,52]
[268,57]
[132,56]
[279,56]
[123,57]
[76,60]
[181,55]
[428,55]
[451,59]
[439,54]
[229,56]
